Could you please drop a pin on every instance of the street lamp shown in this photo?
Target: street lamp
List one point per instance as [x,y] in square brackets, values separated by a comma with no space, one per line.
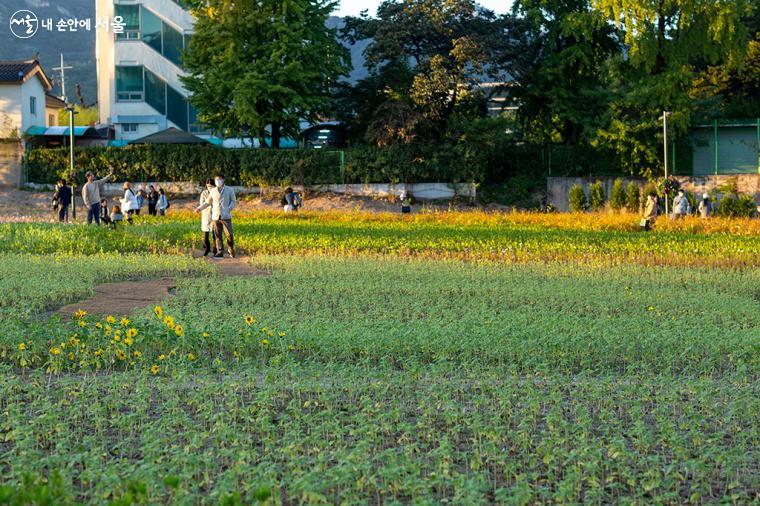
[72,111]
[665,115]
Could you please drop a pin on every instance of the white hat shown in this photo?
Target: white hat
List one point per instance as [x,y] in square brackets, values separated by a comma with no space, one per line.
[705,195]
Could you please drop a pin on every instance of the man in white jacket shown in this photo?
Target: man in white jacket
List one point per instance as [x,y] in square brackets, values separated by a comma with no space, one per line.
[222,203]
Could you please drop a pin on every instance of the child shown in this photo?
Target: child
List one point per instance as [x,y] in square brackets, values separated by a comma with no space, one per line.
[104,212]
[116,216]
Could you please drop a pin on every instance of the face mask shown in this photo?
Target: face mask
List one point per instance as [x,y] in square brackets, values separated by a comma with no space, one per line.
[219,183]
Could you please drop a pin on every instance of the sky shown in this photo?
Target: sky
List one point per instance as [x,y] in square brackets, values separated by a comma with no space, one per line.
[354,7]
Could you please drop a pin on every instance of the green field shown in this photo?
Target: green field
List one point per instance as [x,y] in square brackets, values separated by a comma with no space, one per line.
[384,376]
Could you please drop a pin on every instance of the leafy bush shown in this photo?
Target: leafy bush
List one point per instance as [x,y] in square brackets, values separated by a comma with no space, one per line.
[578,202]
[617,197]
[632,197]
[732,206]
[597,196]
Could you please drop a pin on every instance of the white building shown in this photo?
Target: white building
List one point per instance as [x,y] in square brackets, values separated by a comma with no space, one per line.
[139,90]
[23,97]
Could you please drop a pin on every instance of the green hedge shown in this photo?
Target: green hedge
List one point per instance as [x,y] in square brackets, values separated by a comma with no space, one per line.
[447,162]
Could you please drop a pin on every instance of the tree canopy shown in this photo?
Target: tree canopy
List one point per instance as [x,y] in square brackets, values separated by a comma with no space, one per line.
[259,68]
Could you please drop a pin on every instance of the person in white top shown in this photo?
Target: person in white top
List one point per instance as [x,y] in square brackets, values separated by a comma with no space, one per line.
[129,202]
[163,202]
[206,224]
[222,203]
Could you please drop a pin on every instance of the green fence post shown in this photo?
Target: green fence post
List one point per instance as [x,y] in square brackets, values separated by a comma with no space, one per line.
[343,165]
[715,145]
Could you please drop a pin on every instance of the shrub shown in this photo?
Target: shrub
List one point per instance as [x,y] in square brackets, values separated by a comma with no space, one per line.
[632,197]
[617,196]
[732,206]
[597,196]
[578,202]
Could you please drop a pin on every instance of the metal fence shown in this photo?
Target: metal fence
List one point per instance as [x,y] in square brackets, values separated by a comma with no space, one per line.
[720,147]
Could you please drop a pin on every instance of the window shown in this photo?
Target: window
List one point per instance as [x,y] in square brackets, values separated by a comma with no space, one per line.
[155,92]
[33,105]
[195,126]
[151,29]
[129,84]
[176,108]
[129,127]
[172,44]
[51,119]
[131,16]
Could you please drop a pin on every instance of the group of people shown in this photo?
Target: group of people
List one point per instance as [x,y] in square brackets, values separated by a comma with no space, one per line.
[216,204]
[97,206]
[681,207]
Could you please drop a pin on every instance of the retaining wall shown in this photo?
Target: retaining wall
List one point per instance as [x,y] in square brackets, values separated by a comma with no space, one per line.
[422,191]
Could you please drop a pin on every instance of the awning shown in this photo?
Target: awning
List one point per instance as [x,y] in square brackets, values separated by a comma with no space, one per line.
[59,131]
[170,136]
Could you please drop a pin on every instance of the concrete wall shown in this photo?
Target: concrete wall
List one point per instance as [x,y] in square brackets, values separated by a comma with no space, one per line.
[558,188]
[11,154]
[32,88]
[10,111]
[423,191]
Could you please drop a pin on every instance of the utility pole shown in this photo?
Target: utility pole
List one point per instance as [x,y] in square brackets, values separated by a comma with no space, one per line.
[72,111]
[63,69]
[665,115]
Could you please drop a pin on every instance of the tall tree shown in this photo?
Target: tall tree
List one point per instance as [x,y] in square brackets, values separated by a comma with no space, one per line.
[667,42]
[448,48]
[565,93]
[259,68]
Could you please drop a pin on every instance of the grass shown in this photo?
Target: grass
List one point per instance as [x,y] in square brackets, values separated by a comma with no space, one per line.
[515,237]
[369,378]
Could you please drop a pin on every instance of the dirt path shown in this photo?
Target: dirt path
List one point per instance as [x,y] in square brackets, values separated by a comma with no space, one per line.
[124,297]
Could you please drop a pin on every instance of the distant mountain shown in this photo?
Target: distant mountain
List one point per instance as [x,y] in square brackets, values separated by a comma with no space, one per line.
[78,47]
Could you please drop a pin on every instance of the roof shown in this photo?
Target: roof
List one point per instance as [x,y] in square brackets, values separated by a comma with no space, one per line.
[54,102]
[20,71]
[170,136]
[60,131]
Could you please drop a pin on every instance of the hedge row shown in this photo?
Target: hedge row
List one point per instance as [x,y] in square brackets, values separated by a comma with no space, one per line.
[454,163]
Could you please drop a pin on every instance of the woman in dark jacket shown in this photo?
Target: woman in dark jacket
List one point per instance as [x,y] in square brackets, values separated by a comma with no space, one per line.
[152,200]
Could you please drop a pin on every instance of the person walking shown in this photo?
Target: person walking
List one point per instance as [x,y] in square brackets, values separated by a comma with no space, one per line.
[206,223]
[62,197]
[129,202]
[152,200]
[91,196]
[705,206]
[222,203]
[163,202]
[651,210]
[680,205]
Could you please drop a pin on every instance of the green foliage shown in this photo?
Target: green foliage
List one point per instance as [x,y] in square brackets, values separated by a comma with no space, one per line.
[86,116]
[259,69]
[632,197]
[578,202]
[733,206]
[596,197]
[618,195]
[564,89]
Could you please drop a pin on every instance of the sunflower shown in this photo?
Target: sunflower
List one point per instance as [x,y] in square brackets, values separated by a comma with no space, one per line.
[55,350]
[22,346]
[159,312]
[249,320]
[110,319]
[179,330]
[154,370]
[80,314]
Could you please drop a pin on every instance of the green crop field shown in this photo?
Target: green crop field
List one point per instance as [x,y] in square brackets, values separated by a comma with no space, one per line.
[465,360]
